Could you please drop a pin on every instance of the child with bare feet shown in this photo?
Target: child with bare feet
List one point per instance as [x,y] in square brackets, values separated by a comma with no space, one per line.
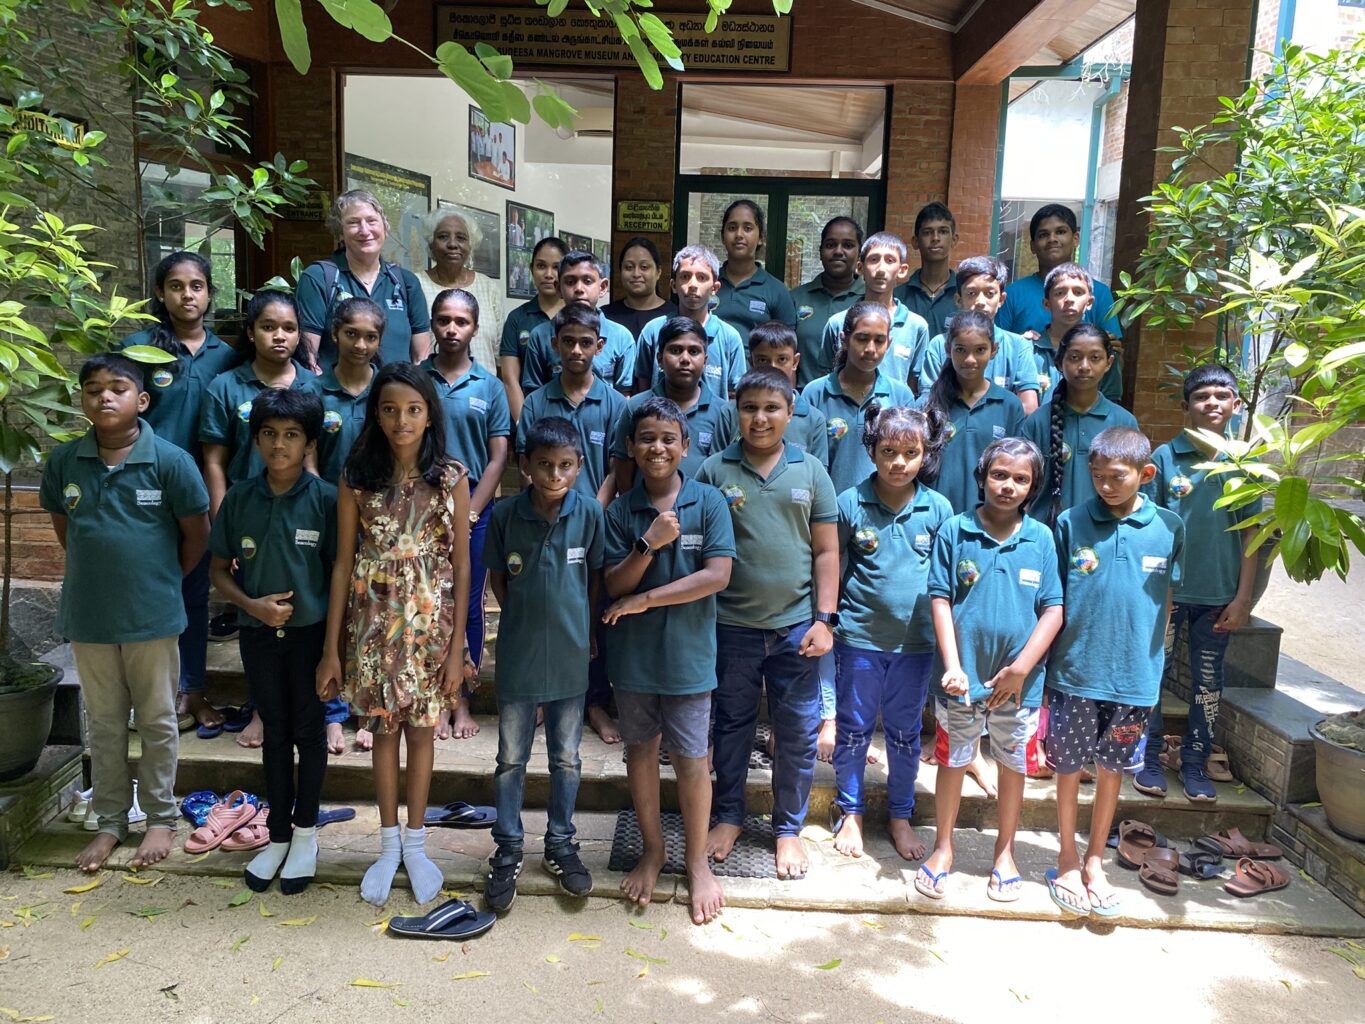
[131,512]
[775,619]
[997,605]
[669,549]
[884,642]
[1120,553]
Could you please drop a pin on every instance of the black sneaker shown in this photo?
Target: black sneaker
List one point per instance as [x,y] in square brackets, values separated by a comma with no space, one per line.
[574,878]
[223,627]
[501,888]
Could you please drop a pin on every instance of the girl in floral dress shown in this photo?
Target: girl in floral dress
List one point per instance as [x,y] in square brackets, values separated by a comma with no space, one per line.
[400,589]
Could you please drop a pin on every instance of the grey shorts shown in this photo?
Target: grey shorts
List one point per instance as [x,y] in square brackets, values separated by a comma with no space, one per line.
[1013,731]
[682,719]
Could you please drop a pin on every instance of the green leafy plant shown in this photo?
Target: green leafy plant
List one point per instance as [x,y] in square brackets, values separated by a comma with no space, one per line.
[1274,253]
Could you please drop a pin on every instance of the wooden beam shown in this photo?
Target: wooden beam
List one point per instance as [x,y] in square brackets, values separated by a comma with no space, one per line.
[1005,34]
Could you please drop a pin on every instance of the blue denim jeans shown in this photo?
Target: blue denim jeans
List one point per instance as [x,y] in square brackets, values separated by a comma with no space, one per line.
[746,659]
[516,731]
[1208,650]
[194,641]
[478,577]
[896,685]
[335,711]
[827,671]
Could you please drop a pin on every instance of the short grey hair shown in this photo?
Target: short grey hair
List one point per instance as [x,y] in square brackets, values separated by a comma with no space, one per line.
[433,220]
[353,197]
[696,252]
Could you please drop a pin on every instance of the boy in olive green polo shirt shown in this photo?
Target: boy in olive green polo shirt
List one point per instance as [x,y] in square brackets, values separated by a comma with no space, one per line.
[280,529]
[670,545]
[776,617]
[131,512]
[775,345]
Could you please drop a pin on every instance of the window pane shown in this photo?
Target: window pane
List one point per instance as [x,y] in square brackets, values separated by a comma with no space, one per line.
[166,229]
[806,218]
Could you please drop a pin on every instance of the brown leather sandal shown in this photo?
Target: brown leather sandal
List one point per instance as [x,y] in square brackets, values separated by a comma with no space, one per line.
[1254,877]
[1136,839]
[1231,843]
[1159,871]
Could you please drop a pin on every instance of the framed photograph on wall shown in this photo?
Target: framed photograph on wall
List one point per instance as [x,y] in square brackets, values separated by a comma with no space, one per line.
[406,197]
[485,228]
[576,241]
[492,150]
[601,248]
[526,225]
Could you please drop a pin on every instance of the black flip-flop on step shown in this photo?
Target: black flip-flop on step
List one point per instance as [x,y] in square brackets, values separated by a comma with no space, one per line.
[458,814]
[454,919]
[1201,864]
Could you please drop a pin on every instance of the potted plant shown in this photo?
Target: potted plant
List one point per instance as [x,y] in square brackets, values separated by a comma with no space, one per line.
[1340,745]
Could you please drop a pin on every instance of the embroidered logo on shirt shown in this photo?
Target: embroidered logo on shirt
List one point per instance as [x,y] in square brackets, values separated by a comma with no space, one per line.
[758,307]
[690,541]
[478,405]
[1044,382]
[1153,563]
[804,312]
[152,498]
[704,439]
[307,538]
[244,412]
[1085,561]
[331,421]
[902,351]
[163,378]
[734,496]
[800,495]
[949,431]
[1066,453]
[596,436]
[922,543]
[71,497]
[513,563]
[837,428]
[577,556]
[997,432]
[395,301]
[865,540]
[1030,578]
[523,337]
[248,546]
[1002,380]
[967,572]
[1180,486]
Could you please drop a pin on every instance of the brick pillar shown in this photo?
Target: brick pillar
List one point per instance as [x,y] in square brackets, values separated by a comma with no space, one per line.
[917,160]
[305,123]
[1186,53]
[971,182]
[644,163]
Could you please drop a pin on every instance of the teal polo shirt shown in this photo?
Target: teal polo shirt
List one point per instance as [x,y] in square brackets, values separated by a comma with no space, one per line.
[935,310]
[1024,310]
[761,298]
[815,306]
[121,584]
[177,389]
[848,461]
[595,417]
[614,364]
[998,592]
[1078,430]
[1116,576]
[517,328]
[1111,384]
[710,427]
[807,429]
[547,620]
[669,650]
[726,362]
[474,410]
[396,291]
[884,600]
[996,414]
[227,412]
[343,417]
[1012,367]
[905,351]
[281,542]
[1213,559]
[771,584]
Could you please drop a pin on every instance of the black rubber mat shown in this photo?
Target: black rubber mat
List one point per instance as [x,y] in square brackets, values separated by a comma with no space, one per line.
[752,856]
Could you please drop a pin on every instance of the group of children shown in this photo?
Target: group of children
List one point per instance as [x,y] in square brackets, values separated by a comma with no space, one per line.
[965,516]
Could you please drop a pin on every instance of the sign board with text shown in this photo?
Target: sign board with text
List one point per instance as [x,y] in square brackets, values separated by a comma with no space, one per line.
[647,216]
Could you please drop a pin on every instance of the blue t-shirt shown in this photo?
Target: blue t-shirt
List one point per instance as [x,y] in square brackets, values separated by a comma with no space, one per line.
[1024,310]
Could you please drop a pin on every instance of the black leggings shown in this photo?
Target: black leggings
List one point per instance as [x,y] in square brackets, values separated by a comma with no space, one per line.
[281,672]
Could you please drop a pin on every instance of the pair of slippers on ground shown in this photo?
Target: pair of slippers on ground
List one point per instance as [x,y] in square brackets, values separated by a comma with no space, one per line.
[454,920]
[999,888]
[237,822]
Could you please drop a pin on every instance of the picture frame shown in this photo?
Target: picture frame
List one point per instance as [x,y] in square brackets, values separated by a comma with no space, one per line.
[492,150]
[406,197]
[487,256]
[601,248]
[576,241]
[526,225]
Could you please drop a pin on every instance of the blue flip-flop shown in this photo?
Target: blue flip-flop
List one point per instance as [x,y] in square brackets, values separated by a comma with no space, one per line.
[454,919]
[1113,910]
[236,719]
[930,889]
[1051,876]
[209,732]
[999,893]
[329,817]
[458,814]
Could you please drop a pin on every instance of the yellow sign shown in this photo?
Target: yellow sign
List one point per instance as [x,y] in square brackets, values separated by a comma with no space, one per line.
[65,132]
[741,42]
[646,216]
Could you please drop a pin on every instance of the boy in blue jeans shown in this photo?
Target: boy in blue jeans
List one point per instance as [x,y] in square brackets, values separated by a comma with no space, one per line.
[1119,556]
[544,558]
[1213,594]
[131,512]
[776,617]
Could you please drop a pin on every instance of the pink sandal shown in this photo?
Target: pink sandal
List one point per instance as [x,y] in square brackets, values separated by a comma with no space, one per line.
[251,836]
[224,818]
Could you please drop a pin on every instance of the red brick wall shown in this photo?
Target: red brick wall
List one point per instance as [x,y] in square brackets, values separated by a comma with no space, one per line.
[37,555]
[1115,117]
[1267,27]
[644,149]
[971,190]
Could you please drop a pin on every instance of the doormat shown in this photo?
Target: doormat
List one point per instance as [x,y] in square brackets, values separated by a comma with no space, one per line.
[752,857]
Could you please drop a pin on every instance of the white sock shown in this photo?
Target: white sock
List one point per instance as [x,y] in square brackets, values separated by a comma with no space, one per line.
[425,876]
[302,862]
[378,880]
[265,864]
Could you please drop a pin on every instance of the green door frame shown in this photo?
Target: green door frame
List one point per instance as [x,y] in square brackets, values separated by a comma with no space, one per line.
[779,192]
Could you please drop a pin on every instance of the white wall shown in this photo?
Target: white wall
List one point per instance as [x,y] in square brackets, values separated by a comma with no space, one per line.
[1047,141]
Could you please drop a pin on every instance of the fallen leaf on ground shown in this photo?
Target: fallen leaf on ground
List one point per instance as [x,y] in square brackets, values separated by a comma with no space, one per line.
[87,922]
[873,924]
[301,922]
[1017,995]
[76,890]
[645,957]
[169,992]
[118,954]
[380,927]
[196,860]
[242,898]
[240,943]
[369,983]
[260,905]
[470,974]
[4,953]
[598,1006]
[1315,803]
[643,971]
[37,874]
[442,958]
[150,913]
[451,894]
[275,964]
[645,925]
[142,881]
[222,883]
[937,955]
[663,934]
[832,965]
[580,937]
[1345,954]
[553,958]
[1359,972]
[530,988]
[1307,877]
[400,1001]
[1287,984]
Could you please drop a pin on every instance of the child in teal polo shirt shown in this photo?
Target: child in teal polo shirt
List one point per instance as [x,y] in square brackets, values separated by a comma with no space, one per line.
[1075,412]
[357,326]
[582,278]
[130,510]
[1119,555]
[669,548]
[695,282]
[478,427]
[683,351]
[830,292]
[997,605]
[517,328]
[279,528]
[748,295]
[883,643]
[774,345]
[775,618]
[974,409]
[1068,295]
[577,394]
[931,291]
[1213,596]
[544,555]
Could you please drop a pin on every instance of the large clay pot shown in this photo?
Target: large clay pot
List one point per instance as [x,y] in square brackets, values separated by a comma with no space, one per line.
[1341,785]
[27,714]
